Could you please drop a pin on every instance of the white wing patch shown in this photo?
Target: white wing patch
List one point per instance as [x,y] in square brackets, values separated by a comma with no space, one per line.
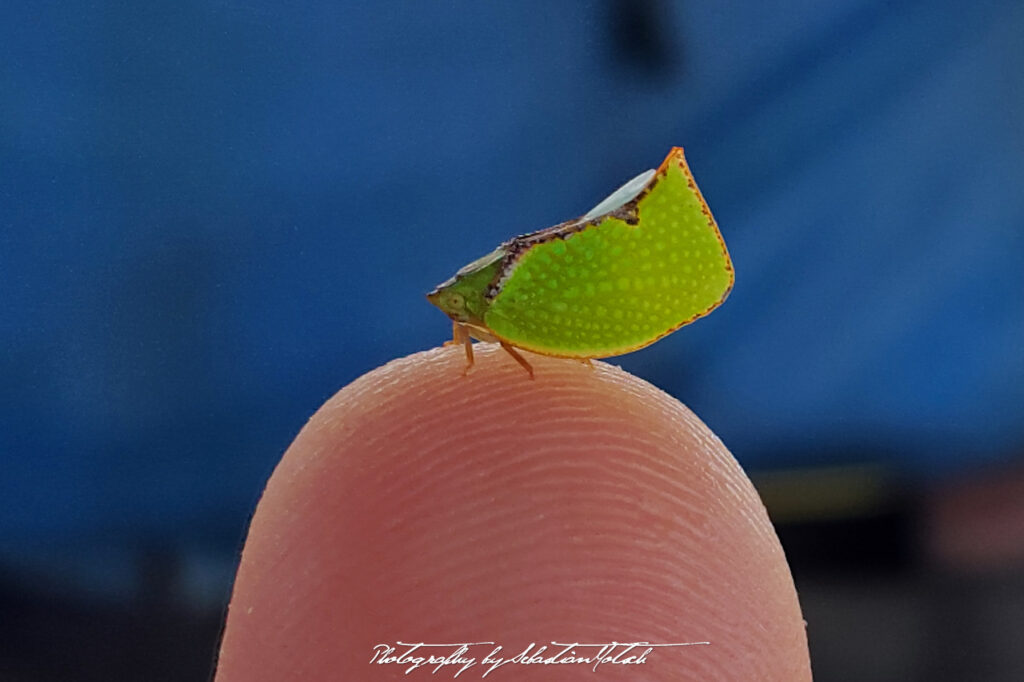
[621,196]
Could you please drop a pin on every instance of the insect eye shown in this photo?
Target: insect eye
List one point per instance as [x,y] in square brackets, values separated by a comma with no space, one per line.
[456,300]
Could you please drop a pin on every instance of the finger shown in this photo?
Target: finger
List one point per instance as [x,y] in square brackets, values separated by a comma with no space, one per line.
[423,506]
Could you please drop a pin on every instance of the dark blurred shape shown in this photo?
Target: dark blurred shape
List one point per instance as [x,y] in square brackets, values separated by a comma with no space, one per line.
[900,584]
[61,637]
[854,520]
[644,38]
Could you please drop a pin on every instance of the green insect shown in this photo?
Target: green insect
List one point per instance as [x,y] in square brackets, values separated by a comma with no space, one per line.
[641,264]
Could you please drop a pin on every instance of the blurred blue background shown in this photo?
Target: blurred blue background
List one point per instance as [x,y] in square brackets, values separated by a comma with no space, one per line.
[213,215]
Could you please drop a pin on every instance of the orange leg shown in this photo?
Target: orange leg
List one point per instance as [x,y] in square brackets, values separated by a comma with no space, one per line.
[587,362]
[519,358]
[456,335]
[467,343]
[461,337]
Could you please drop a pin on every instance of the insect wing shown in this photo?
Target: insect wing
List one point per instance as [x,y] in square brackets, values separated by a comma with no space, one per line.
[642,268]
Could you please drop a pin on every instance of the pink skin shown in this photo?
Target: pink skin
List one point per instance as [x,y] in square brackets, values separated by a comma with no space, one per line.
[422,505]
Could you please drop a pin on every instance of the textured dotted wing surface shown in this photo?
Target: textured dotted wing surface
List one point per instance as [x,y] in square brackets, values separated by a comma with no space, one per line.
[613,287]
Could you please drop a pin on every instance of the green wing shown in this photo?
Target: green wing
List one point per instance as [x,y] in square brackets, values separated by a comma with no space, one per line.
[610,284]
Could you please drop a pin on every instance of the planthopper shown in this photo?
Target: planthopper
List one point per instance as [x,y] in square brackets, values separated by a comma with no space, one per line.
[639,265]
